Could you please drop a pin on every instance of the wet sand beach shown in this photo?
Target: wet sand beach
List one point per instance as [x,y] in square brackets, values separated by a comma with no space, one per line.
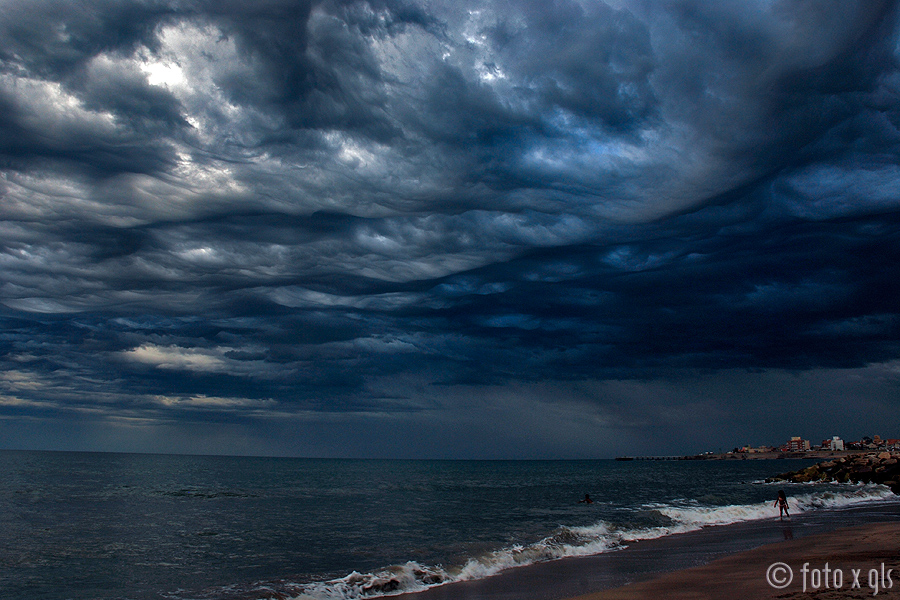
[855,562]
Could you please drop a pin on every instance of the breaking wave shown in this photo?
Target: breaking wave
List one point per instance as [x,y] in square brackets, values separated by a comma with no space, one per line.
[574,541]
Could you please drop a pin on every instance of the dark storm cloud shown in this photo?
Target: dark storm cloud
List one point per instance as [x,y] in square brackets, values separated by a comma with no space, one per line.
[220,211]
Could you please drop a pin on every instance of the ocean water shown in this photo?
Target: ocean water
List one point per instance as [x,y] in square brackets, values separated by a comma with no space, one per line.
[116,526]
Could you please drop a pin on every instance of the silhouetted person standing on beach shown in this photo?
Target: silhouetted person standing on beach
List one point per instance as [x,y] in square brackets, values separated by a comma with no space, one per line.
[781,503]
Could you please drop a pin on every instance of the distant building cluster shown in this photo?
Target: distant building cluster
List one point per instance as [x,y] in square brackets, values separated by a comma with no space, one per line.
[798,444]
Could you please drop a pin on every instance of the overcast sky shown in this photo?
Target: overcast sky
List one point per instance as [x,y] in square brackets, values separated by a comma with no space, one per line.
[442,228]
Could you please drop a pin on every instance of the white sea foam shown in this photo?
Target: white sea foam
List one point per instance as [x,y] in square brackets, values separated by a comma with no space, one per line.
[411,577]
[578,541]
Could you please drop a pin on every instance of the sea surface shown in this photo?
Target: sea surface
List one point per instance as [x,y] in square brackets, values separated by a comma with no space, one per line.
[115,526]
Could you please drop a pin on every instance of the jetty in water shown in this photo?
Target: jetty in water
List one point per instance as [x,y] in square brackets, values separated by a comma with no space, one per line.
[656,458]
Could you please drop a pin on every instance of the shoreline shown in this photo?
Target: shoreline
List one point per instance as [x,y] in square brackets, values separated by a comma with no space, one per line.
[852,562]
[776,455]
[670,560]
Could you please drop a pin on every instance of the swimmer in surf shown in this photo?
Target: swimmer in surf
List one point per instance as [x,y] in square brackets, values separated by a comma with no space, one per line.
[782,505]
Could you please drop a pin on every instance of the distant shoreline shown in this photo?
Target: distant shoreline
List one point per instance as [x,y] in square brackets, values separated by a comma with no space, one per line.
[810,454]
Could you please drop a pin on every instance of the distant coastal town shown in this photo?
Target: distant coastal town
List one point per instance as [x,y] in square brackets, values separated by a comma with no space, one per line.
[797,444]
[796,447]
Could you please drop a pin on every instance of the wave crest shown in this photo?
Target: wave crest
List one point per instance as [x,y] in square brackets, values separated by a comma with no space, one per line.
[578,541]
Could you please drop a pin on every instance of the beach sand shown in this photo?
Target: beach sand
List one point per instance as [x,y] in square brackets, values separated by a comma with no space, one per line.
[742,576]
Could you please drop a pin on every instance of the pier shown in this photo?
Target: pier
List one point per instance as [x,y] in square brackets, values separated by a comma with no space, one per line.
[659,457]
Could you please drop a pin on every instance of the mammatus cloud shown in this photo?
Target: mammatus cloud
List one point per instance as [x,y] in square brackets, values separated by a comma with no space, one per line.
[356,208]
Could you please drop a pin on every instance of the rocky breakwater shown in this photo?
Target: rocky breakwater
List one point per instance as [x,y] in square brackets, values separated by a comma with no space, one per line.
[873,467]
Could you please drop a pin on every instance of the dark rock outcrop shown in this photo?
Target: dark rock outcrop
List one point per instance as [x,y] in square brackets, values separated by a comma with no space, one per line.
[882,468]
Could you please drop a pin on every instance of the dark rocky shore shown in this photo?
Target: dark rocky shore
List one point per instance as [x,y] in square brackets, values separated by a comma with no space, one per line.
[872,467]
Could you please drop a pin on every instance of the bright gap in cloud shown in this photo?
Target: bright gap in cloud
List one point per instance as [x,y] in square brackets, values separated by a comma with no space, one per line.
[176,357]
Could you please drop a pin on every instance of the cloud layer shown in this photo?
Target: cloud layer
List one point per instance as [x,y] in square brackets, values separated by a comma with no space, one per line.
[215,212]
